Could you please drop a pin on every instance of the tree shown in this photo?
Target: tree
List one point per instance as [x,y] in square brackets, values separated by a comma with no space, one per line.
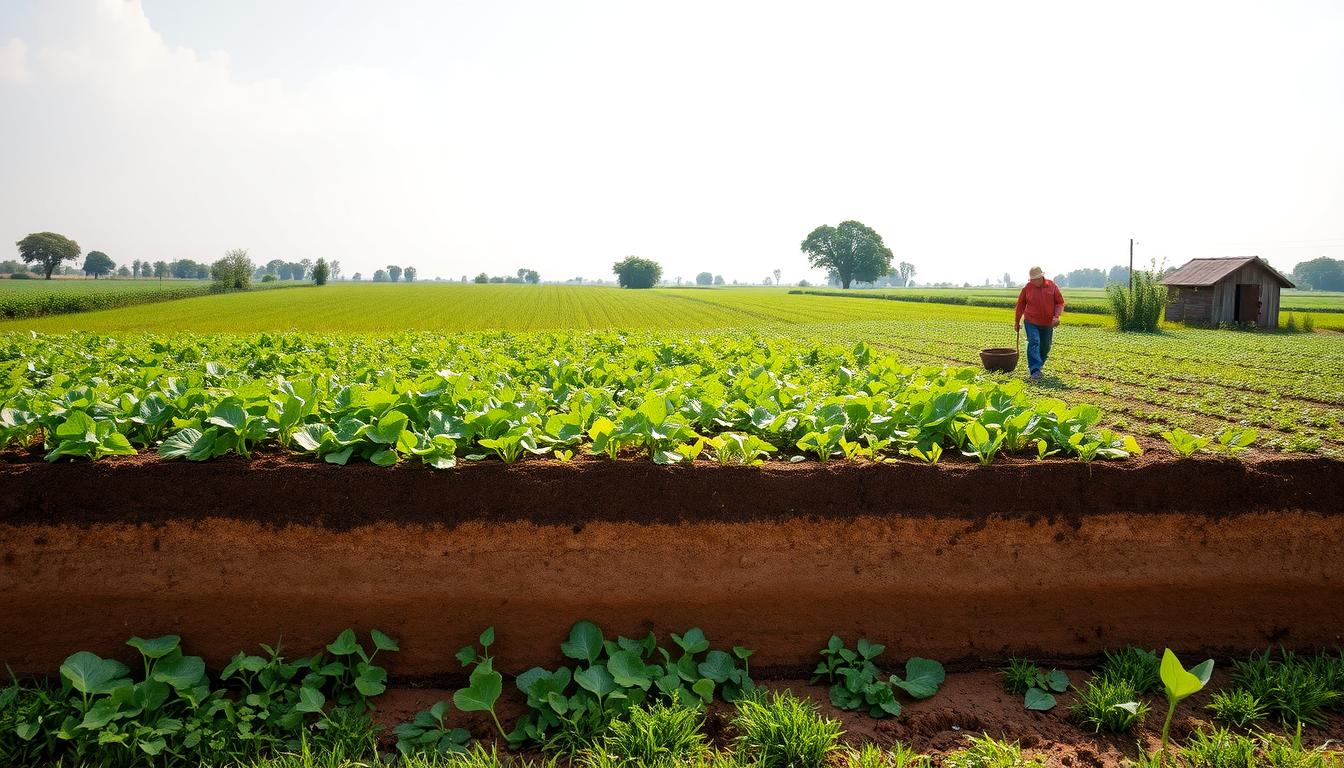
[481,279]
[135,267]
[359,277]
[907,272]
[1007,280]
[704,278]
[530,276]
[98,264]
[393,272]
[777,282]
[380,276]
[122,271]
[307,265]
[852,251]
[718,279]
[48,250]
[297,270]
[274,266]
[160,270]
[335,270]
[1322,274]
[634,272]
[234,271]
[321,272]
[408,274]
[768,281]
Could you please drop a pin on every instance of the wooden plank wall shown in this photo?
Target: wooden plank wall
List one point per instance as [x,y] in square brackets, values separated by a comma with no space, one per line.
[1217,304]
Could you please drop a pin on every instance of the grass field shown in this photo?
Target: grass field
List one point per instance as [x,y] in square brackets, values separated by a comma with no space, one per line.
[40,298]
[1288,386]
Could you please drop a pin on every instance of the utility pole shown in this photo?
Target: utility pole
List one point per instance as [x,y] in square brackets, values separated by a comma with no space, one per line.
[1131,264]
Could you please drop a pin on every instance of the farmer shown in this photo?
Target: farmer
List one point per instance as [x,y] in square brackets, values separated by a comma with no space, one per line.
[1041,302]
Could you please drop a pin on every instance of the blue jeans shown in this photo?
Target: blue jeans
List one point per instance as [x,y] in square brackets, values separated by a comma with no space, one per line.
[1039,338]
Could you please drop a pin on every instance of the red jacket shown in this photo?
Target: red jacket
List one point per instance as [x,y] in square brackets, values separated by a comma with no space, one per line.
[1042,306]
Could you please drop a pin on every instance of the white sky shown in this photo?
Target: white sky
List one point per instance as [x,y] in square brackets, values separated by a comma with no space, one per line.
[977,138]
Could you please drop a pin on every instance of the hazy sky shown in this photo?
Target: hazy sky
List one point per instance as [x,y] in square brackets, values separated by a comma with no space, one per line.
[977,138]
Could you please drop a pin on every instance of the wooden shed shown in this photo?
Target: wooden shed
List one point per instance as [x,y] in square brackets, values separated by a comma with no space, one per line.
[1243,289]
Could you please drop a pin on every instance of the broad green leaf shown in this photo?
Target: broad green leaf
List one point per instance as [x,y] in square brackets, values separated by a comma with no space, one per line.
[1039,700]
[483,691]
[922,677]
[584,643]
[717,666]
[870,650]
[181,672]
[628,671]
[693,641]
[311,700]
[596,679]
[382,642]
[345,643]
[704,688]
[1178,682]
[155,648]
[89,673]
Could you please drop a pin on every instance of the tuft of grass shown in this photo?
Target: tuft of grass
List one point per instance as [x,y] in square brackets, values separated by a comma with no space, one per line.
[871,755]
[1019,675]
[660,736]
[1296,690]
[1106,705]
[1136,666]
[1219,748]
[1238,708]
[478,756]
[987,752]
[780,730]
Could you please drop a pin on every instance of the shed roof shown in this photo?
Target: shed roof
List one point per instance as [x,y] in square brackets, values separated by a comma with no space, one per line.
[1202,272]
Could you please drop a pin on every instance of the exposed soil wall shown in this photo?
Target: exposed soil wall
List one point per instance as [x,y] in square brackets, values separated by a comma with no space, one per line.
[957,563]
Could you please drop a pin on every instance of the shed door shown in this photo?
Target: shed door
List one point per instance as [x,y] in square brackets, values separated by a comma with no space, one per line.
[1248,302]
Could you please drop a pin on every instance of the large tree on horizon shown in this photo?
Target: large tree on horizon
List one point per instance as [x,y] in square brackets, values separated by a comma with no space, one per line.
[97,263]
[48,250]
[634,272]
[851,251]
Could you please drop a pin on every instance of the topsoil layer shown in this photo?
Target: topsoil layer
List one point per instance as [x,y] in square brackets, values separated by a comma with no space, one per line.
[964,564]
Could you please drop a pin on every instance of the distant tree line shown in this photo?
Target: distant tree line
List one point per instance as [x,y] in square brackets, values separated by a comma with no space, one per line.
[1322,274]
[523,275]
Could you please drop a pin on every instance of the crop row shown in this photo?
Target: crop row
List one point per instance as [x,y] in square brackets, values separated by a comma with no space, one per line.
[38,298]
[613,701]
[728,398]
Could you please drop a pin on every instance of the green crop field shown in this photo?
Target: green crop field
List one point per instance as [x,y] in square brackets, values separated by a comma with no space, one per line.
[38,298]
[1289,387]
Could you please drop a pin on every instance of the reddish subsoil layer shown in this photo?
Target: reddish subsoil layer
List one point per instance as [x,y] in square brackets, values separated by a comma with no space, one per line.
[968,704]
[958,563]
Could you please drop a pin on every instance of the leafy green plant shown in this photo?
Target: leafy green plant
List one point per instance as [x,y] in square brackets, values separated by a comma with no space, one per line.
[484,684]
[855,679]
[429,734]
[1238,708]
[987,752]
[780,730]
[1232,441]
[1108,705]
[1185,444]
[1035,684]
[1180,683]
[1292,688]
[1137,666]
[569,707]
[1218,747]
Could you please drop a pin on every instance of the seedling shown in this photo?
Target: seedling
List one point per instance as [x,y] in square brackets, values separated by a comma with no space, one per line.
[1106,705]
[1232,441]
[428,734]
[1035,684]
[1238,708]
[1180,683]
[485,684]
[1183,443]
[856,680]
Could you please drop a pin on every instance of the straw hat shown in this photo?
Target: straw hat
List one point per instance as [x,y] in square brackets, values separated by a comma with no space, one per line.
[1037,272]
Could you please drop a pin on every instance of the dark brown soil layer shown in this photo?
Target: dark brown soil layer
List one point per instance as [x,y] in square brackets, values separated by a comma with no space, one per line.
[962,564]
[281,490]
[968,704]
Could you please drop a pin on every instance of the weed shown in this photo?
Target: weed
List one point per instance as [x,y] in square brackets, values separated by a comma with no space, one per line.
[856,682]
[1218,748]
[1106,705]
[1238,708]
[660,736]
[899,755]
[986,752]
[1024,677]
[780,730]
[1137,666]
[1294,689]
